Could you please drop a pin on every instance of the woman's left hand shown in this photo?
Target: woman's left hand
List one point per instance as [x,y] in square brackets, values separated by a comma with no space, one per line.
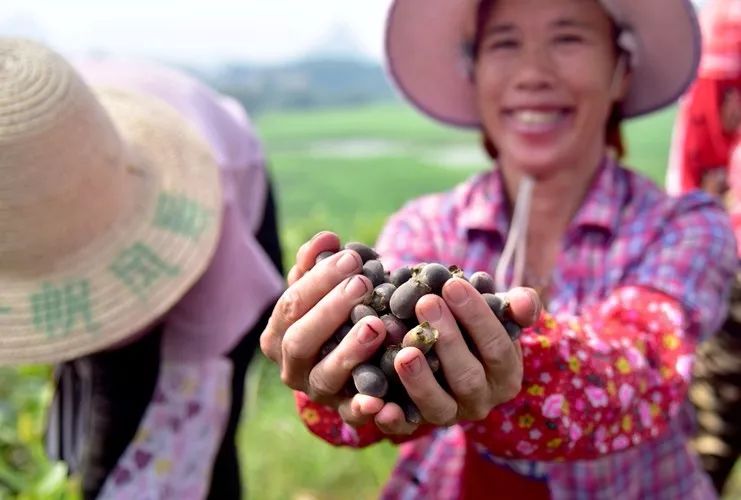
[476,383]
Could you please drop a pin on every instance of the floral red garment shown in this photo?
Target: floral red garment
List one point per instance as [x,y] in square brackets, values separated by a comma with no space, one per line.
[592,385]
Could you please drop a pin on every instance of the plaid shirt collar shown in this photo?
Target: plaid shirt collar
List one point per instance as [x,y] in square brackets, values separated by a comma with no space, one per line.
[485,206]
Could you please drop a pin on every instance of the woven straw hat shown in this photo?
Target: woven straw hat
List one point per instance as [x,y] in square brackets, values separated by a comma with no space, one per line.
[110,208]
[428,54]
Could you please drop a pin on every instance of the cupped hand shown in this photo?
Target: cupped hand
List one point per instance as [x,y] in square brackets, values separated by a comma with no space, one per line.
[317,302]
[475,383]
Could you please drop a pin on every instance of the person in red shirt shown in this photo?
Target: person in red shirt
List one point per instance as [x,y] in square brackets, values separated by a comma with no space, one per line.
[709,115]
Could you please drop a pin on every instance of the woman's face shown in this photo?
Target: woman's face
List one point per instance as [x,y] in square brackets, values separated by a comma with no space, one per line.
[544,81]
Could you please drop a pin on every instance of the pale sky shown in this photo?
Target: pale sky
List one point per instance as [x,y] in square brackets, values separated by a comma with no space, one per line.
[196,30]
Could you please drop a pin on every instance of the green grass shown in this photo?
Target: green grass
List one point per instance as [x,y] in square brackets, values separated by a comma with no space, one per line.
[296,129]
[353,195]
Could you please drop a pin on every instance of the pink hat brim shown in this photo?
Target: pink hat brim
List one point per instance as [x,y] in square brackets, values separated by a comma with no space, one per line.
[426,54]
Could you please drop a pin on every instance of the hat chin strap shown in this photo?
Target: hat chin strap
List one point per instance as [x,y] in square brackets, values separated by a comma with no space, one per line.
[516,239]
[516,244]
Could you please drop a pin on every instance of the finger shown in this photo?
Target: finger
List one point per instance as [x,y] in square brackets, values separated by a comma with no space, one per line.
[464,372]
[304,294]
[390,420]
[294,275]
[435,405]
[360,409]
[329,376]
[321,242]
[496,350]
[525,305]
[304,338]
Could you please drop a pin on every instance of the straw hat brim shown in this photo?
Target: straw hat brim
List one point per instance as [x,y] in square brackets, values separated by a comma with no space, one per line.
[135,271]
[426,56]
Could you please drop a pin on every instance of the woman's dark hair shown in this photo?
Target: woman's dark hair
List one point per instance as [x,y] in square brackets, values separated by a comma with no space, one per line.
[613,134]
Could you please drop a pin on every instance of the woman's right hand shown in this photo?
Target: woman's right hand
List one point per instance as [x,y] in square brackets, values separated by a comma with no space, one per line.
[317,302]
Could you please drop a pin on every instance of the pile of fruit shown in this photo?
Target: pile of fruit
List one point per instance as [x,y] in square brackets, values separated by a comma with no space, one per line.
[393,300]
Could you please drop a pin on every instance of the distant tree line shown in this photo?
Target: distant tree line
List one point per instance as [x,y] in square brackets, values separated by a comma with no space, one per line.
[305,84]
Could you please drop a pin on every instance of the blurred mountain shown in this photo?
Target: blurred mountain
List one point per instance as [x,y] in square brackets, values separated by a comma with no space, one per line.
[334,72]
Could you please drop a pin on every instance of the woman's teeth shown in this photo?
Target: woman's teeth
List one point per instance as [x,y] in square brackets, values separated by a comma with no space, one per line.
[530,117]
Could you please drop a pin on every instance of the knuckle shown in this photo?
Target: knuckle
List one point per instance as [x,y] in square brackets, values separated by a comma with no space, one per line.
[496,348]
[468,383]
[440,416]
[509,389]
[289,379]
[478,412]
[319,384]
[294,349]
[291,306]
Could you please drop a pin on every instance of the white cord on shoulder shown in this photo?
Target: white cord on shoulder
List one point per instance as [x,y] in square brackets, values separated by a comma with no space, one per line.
[516,239]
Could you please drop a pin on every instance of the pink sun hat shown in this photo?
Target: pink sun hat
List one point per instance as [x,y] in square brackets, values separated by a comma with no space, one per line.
[428,55]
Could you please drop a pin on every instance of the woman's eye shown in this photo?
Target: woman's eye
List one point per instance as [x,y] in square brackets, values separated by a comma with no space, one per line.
[502,44]
[569,39]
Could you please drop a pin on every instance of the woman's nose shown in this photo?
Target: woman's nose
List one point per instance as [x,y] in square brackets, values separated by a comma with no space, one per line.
[535,70]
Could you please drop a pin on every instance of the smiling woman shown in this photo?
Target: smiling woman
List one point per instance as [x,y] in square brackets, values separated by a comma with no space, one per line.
[589,402]
[538,120]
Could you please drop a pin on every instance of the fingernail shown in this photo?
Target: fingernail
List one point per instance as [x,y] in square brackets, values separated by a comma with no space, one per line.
[535,302]
[412,367]
[356,287]
[456,292]
[432,314]
[367,334]
[349,262]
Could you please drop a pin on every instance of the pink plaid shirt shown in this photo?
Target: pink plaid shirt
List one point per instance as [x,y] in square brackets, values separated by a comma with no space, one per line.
[641,279]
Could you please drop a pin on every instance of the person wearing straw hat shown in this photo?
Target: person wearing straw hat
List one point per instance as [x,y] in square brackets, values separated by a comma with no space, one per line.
[136,225]
[706,131]
[590,401]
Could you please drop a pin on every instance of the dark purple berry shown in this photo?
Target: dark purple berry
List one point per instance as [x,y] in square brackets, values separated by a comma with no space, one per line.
[381,296]
[405,298]
[498,304]
[329,346]
[433,361]
[360,311]
[395,329]
[400,276]
[434,275]
[366,253]
[513,329]
[482,281]
[370,380]
[411,412]
[373,270]
[342,331]
[323,256]
[387,363]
